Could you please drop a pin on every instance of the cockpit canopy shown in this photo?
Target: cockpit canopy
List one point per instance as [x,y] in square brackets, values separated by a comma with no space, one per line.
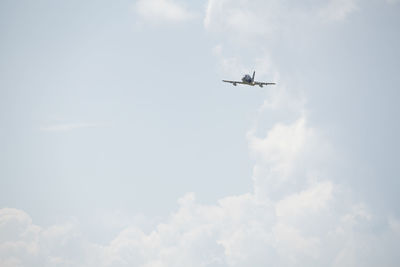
[247,78]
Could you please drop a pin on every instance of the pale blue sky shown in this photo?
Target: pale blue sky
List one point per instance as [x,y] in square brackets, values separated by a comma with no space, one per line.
[163,123]
[115,108]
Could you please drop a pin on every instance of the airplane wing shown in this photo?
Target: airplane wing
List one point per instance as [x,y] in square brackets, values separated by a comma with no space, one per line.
[263,83]
[233,82]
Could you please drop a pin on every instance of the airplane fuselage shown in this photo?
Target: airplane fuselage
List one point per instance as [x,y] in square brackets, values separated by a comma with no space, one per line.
[248,80]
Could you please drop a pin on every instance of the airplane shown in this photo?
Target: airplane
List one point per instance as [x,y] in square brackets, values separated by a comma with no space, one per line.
[248,81]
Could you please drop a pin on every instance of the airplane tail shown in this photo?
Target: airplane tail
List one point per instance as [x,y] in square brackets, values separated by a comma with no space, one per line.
[254,74]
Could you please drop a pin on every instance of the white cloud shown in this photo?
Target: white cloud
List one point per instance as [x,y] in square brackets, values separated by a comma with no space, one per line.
[288,158]
[282,145]
[243,19]
[238,231]
[160,11]
[305,202]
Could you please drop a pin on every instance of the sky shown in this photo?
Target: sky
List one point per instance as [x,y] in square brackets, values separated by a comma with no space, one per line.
[121,146]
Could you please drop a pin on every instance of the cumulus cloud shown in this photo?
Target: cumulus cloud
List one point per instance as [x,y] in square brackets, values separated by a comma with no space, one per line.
[160,11]
[307,201]
[237,231]
[22,243]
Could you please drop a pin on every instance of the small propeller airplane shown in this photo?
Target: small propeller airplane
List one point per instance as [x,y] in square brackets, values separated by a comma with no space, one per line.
[248,81]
